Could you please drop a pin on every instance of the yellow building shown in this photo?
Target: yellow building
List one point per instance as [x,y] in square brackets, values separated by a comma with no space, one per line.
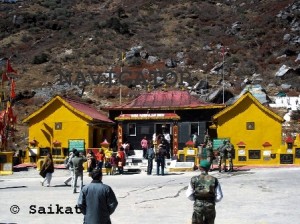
[63,124]
[255,132]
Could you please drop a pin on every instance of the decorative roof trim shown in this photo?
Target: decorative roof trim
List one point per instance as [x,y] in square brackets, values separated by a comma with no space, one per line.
[257,103]
[154,116]
[67,105]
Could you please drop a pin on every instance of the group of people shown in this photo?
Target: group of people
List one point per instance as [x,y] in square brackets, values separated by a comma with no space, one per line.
[75,162]
[158,149]
[226,152]
[98,202]
[223,153]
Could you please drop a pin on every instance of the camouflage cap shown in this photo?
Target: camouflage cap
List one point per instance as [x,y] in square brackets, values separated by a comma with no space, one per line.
[205,164]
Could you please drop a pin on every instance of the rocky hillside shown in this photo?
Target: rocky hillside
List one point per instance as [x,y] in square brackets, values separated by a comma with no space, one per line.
[69,47]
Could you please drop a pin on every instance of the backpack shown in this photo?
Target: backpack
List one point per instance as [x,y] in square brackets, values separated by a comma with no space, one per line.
[204,187]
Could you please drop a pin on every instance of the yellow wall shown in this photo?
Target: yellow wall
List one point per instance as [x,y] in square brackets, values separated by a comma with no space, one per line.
[233,125]
[42,126]
[267,129]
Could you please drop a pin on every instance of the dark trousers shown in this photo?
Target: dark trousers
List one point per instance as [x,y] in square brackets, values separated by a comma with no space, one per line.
[120,169]
[144,152]
[100,165]
[160,163]
[150,166]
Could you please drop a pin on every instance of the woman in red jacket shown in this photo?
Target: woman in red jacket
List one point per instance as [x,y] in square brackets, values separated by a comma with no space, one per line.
[101,159]
[121,160]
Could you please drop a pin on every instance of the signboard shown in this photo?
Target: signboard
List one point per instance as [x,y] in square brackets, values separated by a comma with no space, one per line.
[217,142]
[154,116]
[190,152]
[77,144]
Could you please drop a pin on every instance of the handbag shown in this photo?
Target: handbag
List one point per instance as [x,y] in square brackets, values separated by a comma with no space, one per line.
[120,163]
[43,173]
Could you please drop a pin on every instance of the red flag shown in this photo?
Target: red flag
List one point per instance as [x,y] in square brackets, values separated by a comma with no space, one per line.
[9,69]
[4,77]
[12,89]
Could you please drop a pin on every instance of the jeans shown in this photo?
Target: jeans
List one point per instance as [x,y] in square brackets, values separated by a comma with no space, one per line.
[76,175]
[47,179]
[150,166]
[160,163]
[100,165]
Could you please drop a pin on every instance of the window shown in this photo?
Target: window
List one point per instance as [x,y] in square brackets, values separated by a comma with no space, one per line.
[297,153]
[58,125]
[250,126]
[132,129]
[145,130]
[194,128]
[254,154]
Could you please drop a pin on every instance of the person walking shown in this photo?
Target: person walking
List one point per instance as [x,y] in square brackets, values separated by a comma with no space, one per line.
[101,159]
[47,169]
[69,165]
[144,145]
[78,161]
[91,162]
[97,201]
[150,156]
[205,190]
[161,159]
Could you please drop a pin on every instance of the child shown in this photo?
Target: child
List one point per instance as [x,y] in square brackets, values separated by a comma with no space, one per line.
[108,167]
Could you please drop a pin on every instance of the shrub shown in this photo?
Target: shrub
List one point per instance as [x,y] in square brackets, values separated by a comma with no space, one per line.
[40,59]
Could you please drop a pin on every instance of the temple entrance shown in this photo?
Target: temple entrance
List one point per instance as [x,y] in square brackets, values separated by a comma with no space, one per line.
[159,128]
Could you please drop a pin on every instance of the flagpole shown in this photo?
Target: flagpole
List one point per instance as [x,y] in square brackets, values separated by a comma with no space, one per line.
[120,84]
[223,76]
[122,58]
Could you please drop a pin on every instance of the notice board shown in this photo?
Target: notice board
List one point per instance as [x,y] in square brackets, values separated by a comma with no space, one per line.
[77,144]
[217,142]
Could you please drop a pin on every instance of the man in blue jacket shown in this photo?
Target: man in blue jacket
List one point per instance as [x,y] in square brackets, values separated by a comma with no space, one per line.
[97,201]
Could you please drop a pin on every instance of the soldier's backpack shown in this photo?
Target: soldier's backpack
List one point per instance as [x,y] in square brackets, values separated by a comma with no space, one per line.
[204,187]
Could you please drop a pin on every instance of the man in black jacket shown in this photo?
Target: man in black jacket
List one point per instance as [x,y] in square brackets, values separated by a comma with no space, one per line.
[150,155]
[161,159]
[97,201]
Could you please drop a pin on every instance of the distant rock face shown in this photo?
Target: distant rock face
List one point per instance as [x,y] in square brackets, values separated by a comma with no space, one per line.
[290,15]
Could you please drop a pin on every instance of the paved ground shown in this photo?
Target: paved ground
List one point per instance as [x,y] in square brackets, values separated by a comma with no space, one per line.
[254,196]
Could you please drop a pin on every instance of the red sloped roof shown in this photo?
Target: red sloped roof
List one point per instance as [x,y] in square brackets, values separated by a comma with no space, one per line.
[241,143]
[166,100]
[289,139]
[88,110]
[266,144]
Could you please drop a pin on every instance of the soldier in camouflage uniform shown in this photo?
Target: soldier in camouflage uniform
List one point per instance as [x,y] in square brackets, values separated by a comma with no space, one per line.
[229,152]
[209,153]
[205,190]
[222,156]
